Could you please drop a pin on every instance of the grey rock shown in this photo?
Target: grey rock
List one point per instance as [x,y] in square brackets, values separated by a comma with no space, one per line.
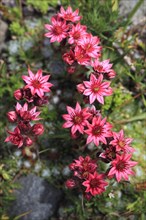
[9,3]
[127,5]
[36,197]
[57,68]
[3,31]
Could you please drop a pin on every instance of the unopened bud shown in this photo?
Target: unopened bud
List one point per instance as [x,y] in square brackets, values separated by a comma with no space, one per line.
[71,69]
[111,74]
[80,88]
[28,141]
[70,183]
[18,94]
[38,129]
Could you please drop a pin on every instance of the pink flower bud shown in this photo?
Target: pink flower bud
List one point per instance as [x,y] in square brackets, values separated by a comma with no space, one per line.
[12,116]
[37,129]
[18,94]
[80,88]
[70,183]
[88,196]
[71,69]
[111,74]
[28,141]
[72,166]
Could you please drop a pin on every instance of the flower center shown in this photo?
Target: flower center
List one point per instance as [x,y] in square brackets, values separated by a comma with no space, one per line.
[36,84]
[68,16]
[121,144]
[99,68]
[77,119]
[88,47]
[57,30]
[85,174]
[94,183]
[95,89]
[121,165]
[76,35]
[85,165]
[97,130]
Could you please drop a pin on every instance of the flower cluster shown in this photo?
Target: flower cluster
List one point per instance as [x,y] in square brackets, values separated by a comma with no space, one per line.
[81,48]
[86,177]
[32,96]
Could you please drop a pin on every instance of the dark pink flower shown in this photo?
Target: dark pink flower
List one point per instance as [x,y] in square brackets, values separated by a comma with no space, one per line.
[94,112]
[96,89]
[95,184]
[15,137]
[69,57]
[37,129]
[121,167]
[109,153]
[12,116]
[76,33]
[69,15]
[121,143]
[90,45]
[82,167]
[27,95]
[57,31]
[81,56]
[76,119]
[37,83]
[25,114]
[85,164]
[98,131]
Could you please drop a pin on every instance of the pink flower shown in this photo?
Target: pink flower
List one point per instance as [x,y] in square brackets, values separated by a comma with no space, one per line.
[15,137]
[25,114]
[37,83]
[76,118]
[81,56]
[57,31]
[69,15]
[76,33]
[95,184]
[98,131]
[121,167]
[90,45]
[121,143]
[101,67]
[96,89]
